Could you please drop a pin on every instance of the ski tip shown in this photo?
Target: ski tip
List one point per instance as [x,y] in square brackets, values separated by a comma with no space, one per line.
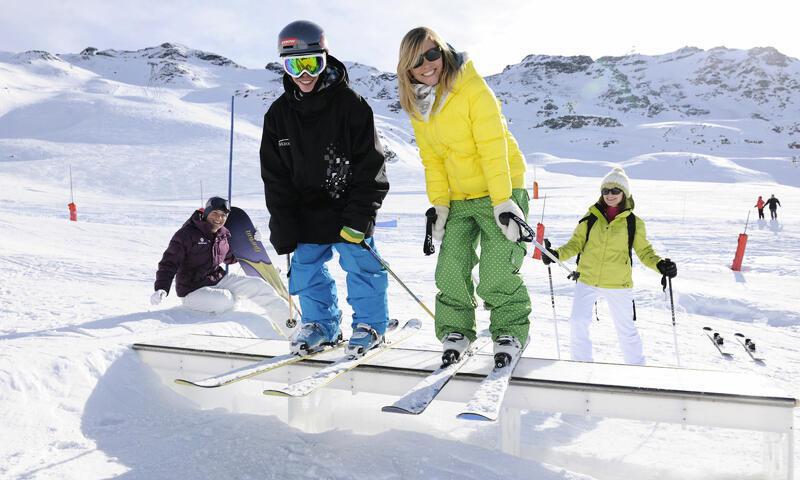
[474,417]
[181,381]
[393,409]
[737,334]
[413,323]
[276,393]
[708,329]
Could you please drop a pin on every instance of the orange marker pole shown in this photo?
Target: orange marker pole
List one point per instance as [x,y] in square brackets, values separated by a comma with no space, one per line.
[740,247]
[73,209]
[537,254]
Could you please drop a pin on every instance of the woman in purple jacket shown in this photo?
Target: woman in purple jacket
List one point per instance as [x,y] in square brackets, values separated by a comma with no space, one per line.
[194,258]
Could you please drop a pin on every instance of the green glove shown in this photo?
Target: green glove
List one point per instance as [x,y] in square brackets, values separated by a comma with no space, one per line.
[351,235]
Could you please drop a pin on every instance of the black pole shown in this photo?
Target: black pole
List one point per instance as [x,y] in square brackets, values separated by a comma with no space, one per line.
[386,266]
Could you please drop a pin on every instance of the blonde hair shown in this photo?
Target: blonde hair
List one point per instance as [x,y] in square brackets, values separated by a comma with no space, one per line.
[410,50]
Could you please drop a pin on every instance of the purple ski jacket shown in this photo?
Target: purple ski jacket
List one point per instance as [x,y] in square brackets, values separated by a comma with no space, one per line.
[194,255]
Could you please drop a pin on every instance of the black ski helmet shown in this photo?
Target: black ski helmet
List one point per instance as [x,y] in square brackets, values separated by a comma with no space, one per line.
[301,37]
[216,203]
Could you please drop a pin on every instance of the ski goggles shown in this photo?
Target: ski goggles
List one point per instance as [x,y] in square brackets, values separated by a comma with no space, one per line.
[310,64]
[611,191]
[431,55]
[218,203]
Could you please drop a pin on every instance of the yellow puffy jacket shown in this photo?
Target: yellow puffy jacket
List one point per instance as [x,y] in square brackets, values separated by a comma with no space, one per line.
[605,262]
[466,147]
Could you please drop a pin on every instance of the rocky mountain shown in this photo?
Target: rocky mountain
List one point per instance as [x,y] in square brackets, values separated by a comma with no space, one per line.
[731,114]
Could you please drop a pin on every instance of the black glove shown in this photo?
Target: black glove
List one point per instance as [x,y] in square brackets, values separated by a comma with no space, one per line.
[545,258]
[667,268]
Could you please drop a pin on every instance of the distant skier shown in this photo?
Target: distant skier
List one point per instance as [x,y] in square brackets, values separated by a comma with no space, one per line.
[194,257]
[604,239]
[760,206]
[474,172]
[773,204]
[324,180]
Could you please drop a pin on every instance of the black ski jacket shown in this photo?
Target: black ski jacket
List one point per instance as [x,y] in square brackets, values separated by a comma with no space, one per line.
[773,203]
[321,162]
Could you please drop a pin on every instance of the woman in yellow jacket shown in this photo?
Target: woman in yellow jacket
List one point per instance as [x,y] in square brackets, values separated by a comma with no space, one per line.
[474,172]
[603,240]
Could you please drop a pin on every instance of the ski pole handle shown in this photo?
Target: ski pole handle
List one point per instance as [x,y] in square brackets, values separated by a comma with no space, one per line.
[430,219]
[531,238]
[505,217]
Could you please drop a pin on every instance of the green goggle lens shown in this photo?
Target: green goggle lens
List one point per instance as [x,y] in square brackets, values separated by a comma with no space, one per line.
[312,64]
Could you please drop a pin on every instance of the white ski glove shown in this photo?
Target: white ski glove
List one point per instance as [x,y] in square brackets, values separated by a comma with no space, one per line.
[157,296]
[438,225]
[511,231]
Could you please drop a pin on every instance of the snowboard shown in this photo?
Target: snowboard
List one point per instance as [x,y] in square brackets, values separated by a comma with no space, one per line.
[252,255]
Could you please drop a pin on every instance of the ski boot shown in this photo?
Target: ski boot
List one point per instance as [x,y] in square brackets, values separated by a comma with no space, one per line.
[364,338]
[453,346]
[311,337]
[505,348]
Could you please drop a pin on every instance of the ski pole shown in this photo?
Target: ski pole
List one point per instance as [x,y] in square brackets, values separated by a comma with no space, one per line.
[553,302]
[291,322]
[530,237]
[430,219]
[674,327]
[386,266]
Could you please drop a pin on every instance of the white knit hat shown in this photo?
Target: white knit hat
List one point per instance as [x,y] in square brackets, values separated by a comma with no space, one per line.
[617,178]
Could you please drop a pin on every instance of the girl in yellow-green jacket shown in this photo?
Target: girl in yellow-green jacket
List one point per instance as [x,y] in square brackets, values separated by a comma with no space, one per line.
[604,239]
[474,172]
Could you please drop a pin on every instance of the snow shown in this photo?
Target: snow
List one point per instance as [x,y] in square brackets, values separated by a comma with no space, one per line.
[78,403]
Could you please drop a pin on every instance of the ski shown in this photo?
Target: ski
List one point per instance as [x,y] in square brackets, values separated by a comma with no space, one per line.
[718,341]
[345,364]
[749,347]
[416,400]
[488,398]
[254,369]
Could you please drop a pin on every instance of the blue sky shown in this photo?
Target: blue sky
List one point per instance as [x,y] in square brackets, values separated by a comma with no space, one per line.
[496,33]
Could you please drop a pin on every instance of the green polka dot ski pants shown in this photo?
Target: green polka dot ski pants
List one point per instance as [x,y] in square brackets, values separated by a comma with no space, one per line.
[469,224]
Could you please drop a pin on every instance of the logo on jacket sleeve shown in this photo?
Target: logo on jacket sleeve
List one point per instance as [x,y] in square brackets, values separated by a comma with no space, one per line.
[284,142]
[203,241]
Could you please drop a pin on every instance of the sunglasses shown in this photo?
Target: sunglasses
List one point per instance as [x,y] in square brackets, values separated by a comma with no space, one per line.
[611,191]
[431,55]
[310,64]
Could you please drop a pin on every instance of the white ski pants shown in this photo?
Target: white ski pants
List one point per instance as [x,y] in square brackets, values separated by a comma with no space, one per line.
[222,297]
[620,303]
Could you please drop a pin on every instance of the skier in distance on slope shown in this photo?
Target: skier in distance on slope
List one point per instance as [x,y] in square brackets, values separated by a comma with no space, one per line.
[474,173]
[773,204]
[194,259]
[603,240]
[760,206]
[324,177]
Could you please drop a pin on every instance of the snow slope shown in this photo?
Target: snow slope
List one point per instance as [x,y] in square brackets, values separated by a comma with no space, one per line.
[77,403]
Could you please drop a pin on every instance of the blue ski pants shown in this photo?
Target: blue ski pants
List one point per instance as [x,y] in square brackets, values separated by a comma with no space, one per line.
[366,285]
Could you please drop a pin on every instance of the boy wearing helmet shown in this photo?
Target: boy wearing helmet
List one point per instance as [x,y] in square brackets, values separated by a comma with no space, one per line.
[324,180]
[194,258]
